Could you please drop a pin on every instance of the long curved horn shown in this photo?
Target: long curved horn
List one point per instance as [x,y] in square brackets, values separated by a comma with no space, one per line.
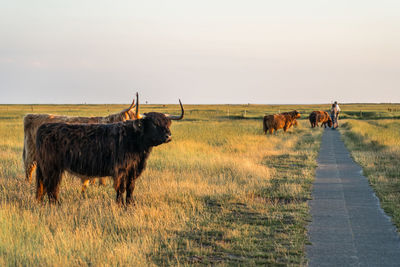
[137,114]
[172,117]
[132,105]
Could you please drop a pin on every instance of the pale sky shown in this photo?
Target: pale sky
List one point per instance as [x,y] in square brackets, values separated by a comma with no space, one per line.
[208,51]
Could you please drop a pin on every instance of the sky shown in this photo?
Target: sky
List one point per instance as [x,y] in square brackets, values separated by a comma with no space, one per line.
[203,52]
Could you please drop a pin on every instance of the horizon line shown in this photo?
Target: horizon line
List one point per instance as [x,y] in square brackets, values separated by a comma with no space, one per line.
[199,104]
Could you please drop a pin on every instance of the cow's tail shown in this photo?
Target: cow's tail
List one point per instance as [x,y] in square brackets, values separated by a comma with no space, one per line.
[265,126]
[29,147]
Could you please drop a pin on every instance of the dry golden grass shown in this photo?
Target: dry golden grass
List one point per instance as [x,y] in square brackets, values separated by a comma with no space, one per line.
[220,193]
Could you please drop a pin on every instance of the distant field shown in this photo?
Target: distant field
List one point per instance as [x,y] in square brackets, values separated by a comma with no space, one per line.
[220,193]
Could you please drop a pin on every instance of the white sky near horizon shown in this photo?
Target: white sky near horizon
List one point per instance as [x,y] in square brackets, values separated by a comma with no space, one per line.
[220,51]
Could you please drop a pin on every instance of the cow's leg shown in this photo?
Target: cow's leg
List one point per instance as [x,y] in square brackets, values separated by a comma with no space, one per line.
[119,186]
[29,164]
[85,184]
[271,130]
[28,156]
[285,127]
[29,169]
[25,162]
[102,181]
[53,185]
[53,195]
[129,190]
[40,189]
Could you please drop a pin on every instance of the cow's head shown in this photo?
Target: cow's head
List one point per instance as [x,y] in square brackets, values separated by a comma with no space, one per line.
[156,127]
[296,114]
[330,123]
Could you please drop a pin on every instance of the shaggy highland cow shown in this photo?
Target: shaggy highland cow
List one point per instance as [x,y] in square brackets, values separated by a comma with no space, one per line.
[280,121]
[33,121]
[320,117]
[119,150]
[292,118]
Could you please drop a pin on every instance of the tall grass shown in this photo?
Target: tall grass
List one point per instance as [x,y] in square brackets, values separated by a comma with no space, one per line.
[375,145]
[220,193]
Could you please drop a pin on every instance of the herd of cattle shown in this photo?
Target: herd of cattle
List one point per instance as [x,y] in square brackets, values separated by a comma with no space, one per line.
[116,146]
[286,120]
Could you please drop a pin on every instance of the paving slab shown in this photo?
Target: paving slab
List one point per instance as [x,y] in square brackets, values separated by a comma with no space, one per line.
[348,227]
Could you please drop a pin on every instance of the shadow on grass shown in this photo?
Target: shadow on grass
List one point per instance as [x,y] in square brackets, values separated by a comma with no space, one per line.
[284,161]
[258,232]
[289,167]
[235,233]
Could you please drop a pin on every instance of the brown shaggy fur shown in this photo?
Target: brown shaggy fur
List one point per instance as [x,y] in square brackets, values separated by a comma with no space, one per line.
[280,121]
[320,117]
[33,121]
[119,150]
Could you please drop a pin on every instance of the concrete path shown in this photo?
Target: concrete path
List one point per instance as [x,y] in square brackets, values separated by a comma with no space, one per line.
[348,226]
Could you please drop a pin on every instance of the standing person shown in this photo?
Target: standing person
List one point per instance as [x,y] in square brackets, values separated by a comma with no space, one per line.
[335,110]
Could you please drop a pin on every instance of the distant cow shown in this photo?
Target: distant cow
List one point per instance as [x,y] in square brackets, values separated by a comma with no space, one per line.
[119,150]
[33,121]
[320,117]
[280,121]
[293,118]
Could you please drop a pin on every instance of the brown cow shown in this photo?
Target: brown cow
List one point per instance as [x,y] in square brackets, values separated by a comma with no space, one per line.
[320,117]
[293,118]
[119,150]
[280,121]
[33,121]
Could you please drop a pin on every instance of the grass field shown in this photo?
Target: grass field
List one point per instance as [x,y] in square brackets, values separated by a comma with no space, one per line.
[220,193]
